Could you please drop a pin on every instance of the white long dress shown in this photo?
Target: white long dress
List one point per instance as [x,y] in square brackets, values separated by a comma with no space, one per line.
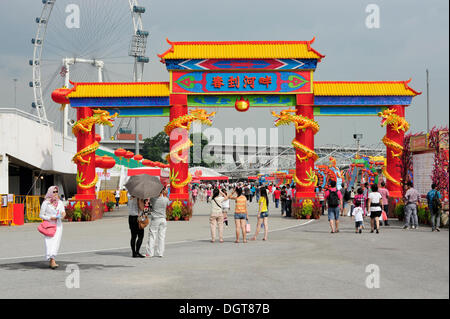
[52,243]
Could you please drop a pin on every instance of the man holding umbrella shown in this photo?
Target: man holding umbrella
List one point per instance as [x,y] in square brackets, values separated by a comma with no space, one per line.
[141,187]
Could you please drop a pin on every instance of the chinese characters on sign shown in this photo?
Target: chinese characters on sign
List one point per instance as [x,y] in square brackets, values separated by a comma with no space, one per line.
[233,82]
[236,82]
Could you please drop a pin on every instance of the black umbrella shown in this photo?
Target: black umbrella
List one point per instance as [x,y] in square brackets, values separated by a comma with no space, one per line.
[144,186]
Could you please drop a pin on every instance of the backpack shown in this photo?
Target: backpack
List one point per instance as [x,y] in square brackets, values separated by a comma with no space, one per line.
[333,199]
[347,195]
[436,203]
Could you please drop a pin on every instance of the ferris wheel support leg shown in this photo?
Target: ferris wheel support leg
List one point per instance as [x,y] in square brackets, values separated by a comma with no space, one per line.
[65,123]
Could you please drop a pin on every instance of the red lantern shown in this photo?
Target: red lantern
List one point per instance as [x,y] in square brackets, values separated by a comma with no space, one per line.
[147,162]
[128,155]
[120,152]
[138,157]
[60,95]
[98,138]
[99,161]
[242,105]
[108,162]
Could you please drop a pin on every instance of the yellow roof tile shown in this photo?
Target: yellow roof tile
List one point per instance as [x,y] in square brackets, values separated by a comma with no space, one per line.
[241,50]
[118,89]
[380,88]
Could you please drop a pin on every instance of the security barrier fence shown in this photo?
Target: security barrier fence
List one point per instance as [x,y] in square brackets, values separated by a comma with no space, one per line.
[33,208]
[6,214]
[32,205]
[108,196]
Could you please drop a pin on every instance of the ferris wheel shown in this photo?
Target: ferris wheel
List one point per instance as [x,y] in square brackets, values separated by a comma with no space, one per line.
[84,41]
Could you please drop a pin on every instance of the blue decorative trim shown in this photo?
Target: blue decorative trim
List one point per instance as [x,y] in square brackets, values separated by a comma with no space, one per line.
[298,64]
[119,101]
[347,110]
[190,64]
[362,100]
[139,112]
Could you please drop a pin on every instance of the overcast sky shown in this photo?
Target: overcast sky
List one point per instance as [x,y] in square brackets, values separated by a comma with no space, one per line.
[413,36]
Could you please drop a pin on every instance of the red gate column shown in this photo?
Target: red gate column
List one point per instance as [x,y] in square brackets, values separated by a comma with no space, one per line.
[179,170]
[305,160]
[392,140]
[86,171]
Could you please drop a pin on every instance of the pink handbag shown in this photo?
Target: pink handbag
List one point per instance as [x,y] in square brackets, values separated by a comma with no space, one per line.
[47,229]
[248,227]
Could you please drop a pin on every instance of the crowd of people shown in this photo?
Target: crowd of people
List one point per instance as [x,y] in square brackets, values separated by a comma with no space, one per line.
[373,202]
[366,201]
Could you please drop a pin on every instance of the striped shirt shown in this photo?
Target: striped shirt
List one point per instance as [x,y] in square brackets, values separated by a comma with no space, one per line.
[241,204]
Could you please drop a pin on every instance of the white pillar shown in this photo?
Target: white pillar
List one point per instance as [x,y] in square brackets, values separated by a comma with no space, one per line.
[4,174]
[100,79]
[65,126]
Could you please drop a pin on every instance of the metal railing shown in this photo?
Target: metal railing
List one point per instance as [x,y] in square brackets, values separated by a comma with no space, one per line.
[25,115]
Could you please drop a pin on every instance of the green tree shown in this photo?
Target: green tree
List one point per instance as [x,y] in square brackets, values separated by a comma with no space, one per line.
[154,147]
[204,142]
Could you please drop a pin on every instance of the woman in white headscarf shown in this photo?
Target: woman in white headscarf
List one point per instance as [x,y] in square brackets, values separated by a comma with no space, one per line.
[52,210]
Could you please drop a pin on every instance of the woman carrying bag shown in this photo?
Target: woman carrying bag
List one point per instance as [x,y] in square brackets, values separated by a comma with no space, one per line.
[374,207]
[52,213]
[136,205]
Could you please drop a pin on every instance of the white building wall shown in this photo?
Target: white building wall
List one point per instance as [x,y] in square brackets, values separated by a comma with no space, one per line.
[33,143]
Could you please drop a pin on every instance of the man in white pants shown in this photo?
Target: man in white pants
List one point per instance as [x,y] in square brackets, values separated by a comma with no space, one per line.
[158,225]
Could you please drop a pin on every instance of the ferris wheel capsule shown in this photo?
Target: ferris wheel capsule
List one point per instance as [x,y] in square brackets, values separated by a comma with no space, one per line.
[138,9]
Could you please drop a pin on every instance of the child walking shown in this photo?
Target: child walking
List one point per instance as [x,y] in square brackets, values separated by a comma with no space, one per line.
[358,215]
[358,211]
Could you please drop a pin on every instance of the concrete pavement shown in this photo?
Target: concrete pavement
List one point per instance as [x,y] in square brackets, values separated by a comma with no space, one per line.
[300,260]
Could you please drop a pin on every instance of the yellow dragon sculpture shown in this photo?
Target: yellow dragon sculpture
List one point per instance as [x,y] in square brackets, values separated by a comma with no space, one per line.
[85,125]
[301,123]
[397,123]
[184,122]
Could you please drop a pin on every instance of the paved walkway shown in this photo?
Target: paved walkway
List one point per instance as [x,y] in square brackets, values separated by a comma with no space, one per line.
[300,260]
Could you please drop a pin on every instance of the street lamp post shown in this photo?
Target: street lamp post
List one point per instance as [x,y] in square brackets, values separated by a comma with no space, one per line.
[357,137]
[428,104]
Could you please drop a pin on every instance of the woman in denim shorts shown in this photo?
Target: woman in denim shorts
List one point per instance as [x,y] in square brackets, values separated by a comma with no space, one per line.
[263,214]
[240,214]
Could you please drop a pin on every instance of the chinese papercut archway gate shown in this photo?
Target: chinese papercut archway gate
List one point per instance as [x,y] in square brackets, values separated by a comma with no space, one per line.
[241,75]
